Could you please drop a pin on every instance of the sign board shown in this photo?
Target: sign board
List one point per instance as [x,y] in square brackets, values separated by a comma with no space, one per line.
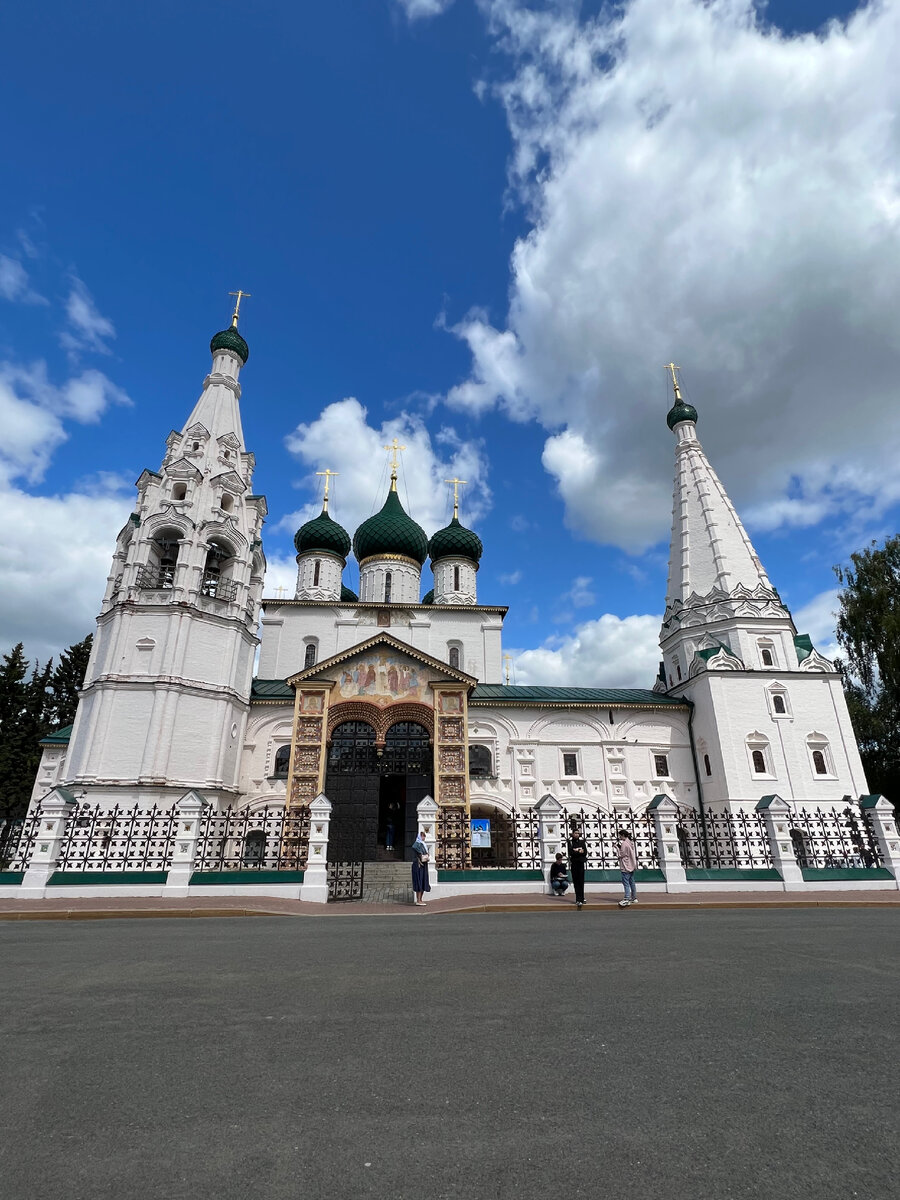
[481,833]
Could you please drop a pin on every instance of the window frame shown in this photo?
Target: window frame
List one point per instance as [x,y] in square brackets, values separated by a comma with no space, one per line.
[574,756]
[664,756]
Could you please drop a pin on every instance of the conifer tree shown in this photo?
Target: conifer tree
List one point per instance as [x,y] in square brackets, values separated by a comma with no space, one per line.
[13,704]
[66,683]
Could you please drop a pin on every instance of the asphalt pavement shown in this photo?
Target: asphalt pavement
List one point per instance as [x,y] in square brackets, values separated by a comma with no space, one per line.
[677,1054]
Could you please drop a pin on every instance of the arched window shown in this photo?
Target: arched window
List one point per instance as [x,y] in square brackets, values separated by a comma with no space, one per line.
[216,583]
[317,567]
[767,652]
[179,491]
[456,579]
[282,762]
[453,657]
[254,848]
[706,764]
[759,762]
[819,763]
[227,502]
[778,703]
[387,587]
[309,658]
[352,749]
[481,765]
[165,553]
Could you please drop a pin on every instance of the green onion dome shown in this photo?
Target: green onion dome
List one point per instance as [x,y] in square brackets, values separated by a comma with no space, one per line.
[348,593]
[230,339]
[391,531]
[680,412]
[324,535]
[428,598]
[455,541]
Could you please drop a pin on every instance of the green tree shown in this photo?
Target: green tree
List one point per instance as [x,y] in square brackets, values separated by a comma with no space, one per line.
[22,703]
[66,682]
[868,631]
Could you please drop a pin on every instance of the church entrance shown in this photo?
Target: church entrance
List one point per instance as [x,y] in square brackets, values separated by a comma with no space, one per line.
[374,792]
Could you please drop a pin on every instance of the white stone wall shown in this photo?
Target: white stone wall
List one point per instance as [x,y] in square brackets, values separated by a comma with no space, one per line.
[445,591]
[406,581]
[328,586]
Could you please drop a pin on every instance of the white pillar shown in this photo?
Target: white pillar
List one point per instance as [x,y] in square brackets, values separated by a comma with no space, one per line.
[884,826]
[315,875]
[426,815]
[777,815]
[188,811]
[56,808]
[553,832]
[665,820]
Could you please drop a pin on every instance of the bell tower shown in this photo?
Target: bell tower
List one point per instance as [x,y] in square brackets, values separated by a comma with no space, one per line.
[167,688]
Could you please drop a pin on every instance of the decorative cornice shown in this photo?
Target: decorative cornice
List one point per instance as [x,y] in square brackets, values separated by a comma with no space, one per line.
[401,558]
[493,608]
[489,702]
[217,378]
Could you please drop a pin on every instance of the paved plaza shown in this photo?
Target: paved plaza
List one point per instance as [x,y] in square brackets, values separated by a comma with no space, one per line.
[705,1053]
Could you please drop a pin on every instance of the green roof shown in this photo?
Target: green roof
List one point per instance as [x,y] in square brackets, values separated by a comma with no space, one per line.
[324,535]
[59,737]
[455,541]
[348,593]
[680,412]
[391,531]
[230,339]
[803,645]
[618,697]
[428,598]
[270,689]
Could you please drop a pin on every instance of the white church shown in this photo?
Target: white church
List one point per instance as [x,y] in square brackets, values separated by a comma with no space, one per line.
[382,699]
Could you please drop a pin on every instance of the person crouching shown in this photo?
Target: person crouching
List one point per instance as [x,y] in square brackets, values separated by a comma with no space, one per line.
[559,877]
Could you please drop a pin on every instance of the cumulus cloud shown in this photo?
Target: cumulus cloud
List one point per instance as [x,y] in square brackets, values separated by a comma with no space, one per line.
[418,9]
[818,618]
[87,329]
[704,188]
[609,651]
[33,411]
[342,440]
[14,284]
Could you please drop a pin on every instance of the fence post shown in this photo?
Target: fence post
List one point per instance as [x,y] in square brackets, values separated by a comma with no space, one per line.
[553,836]
[56,808]
[665,821]
[426,815]
[884,827]
[315,874]
[777,816]
[186,834]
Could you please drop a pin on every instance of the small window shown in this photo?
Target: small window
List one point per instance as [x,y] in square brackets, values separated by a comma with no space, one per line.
[282,761]
[819,763]
[179,491]
[316,569]
[678,669]
[456,579]
[454,657]
[661,765]
[310,657]
[759,762]
[570,764]
[226,454]
[196,445]
[706,764]
[778,703]
[767,658]
[480,762]
[227,502]
[387,587]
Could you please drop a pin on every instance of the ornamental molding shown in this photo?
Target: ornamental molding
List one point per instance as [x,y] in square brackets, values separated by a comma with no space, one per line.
[816,662]
[217,379]
[381,719]
[722,660]
[400,558]
[309,674]
[719,605]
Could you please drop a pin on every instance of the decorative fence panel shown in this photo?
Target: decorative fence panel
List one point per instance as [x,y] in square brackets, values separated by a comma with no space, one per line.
[833,839]
[600,831]
[118,839]
[17,838]
[724,840]
[273,840]
[452,850]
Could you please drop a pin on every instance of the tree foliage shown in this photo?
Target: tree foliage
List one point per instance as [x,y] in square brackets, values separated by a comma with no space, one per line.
[868,631]
[31,706]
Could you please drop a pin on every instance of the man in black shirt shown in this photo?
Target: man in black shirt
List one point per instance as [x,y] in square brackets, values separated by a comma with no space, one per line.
[559,879]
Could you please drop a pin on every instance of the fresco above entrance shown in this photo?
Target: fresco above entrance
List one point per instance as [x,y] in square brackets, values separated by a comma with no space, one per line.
[383,677]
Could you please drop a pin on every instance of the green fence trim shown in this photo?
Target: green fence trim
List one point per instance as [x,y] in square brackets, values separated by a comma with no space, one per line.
[609,875]
[11,876]
[722,874]
[92,878]
[244,878]
[811,874]
[488,875]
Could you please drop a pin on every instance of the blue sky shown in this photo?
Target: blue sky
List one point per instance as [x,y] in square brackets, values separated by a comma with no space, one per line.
[488,224]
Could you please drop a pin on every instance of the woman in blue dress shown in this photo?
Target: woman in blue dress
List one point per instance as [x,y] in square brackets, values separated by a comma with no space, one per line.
[420,882]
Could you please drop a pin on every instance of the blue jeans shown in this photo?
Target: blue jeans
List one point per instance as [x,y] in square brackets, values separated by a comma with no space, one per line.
[628,884]
[559,886]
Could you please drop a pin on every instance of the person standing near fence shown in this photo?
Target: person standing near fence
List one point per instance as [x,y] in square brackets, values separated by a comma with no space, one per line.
[628,866]
[577,863]
[420,883]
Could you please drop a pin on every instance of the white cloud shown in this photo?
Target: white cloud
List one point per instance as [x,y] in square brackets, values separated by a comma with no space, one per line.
[418,9]
[14,283]
[55,556]
[342,440]
[87,328]
[32,412]
[818,618]
[610,651]
[580,592]
[511,579]
[703,187]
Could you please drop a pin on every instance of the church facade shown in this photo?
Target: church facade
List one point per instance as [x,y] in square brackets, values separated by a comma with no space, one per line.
[380,699]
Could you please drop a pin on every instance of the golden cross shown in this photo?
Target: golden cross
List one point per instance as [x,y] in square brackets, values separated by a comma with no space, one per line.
[507,658]
[329,475]
[394,448]
[670,366]
[239,296]
[456,485]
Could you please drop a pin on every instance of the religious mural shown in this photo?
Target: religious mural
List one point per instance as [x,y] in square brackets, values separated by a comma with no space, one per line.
[383,677]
